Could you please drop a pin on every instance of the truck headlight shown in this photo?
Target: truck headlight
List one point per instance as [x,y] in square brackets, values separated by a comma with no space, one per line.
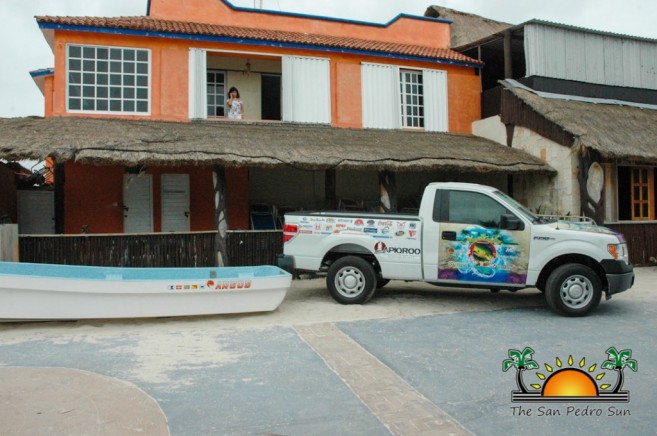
[618,251]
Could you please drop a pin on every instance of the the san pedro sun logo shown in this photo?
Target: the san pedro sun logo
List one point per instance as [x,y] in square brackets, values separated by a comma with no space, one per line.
[572,380]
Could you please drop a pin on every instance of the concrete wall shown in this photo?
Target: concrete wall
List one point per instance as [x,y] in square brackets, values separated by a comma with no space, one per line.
[558,195]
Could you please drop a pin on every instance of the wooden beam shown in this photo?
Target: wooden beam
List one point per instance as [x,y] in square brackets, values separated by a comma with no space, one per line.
[508,57]
[220,214]
[388,191]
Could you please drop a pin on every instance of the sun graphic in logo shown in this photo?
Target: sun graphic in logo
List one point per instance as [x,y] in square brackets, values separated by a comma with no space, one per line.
[574,382]
[570,382]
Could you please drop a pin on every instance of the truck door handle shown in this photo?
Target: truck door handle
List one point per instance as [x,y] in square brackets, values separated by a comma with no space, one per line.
[449,236]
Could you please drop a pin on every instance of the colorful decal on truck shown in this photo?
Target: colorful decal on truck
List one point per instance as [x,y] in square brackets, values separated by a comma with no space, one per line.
[483,255]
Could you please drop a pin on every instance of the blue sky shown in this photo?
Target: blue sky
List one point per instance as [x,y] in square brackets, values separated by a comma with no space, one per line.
[24,49]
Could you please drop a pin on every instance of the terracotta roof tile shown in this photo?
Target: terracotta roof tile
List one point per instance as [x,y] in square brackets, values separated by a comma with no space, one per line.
[190,28]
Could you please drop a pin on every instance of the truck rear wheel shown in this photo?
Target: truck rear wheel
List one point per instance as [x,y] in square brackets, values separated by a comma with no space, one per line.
[351,280]
[573,290]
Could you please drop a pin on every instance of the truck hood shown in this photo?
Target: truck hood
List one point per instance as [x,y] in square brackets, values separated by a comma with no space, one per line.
[585,227]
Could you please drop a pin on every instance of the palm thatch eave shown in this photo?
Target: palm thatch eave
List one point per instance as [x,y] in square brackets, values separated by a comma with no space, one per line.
[255,144]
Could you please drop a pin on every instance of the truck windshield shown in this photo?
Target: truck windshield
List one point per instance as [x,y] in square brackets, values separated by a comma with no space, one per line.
[522,209]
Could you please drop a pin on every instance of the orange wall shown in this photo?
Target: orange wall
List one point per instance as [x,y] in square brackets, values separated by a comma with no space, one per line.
[169,78]
[93,196]
[418,31]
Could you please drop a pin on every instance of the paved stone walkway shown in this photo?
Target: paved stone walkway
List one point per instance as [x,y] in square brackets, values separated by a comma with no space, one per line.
[402,409]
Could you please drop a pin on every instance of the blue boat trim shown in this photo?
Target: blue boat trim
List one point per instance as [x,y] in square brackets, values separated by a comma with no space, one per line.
[103,273]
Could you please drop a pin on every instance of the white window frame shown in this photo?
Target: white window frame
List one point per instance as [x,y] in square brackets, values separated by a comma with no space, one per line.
[381,91]
[216,95]
[96,86]
[412,110]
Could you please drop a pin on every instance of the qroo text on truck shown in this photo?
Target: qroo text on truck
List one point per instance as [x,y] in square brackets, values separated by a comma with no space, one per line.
[465,235]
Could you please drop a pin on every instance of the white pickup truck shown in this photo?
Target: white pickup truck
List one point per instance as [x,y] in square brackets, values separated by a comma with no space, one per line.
[467,236]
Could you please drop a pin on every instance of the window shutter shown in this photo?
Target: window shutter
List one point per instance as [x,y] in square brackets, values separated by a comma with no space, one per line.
[175,202]
[380,95]
[306,90]
[197,84]
[436,117]
[137,203]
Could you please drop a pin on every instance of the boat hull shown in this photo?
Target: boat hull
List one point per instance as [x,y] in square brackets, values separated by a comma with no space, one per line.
[62,292]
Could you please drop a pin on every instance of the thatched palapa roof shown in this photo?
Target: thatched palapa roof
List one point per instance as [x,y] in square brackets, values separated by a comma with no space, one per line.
[466,28]
[619,132]
[312,147]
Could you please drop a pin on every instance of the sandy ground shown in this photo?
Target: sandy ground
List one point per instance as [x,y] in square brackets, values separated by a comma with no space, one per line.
[308,302]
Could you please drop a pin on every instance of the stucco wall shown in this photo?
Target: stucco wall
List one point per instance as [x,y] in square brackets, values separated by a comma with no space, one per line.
[549,195]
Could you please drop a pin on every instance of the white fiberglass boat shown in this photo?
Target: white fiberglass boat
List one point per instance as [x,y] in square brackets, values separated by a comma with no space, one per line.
[30,291]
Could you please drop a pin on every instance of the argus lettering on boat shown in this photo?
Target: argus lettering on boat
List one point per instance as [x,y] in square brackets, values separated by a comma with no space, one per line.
[229,284]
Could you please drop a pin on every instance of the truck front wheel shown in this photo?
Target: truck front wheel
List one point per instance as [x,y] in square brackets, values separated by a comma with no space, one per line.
[573,290]
[351,280]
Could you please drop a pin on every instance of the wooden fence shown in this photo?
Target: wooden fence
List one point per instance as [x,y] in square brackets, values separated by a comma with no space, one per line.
[641,241]
[244,248]
[194,249]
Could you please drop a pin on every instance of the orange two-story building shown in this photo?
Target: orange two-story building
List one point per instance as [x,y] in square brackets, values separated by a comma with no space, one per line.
[136,116]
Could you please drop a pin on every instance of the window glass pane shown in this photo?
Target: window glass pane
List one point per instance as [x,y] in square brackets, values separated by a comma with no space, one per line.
[88,104]
[115,53]
[142,81]
[115,92]
[74,104]
[142,55]
[89,52]
[128,68]
[645,213]
[74,65]
[115,105]
[102,53]
[101,92]
[88,65]
[115,79]
[128,55]
[129,93]
[88,78]
[74,77]
[74,51]
[115,67]
[88,91]
[142,106]
[474,208]
[142,93]
[101,105]
[101,79]
[74,91]
[637,211]
[142,68]
[644,193]
[102,66]
[128,80]
[129,106]
[637,193]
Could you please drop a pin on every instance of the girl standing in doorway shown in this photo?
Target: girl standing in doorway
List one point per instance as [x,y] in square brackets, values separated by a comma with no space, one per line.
[235,105]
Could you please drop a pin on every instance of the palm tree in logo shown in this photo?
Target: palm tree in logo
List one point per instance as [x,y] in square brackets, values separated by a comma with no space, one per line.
[617,361]
[522,361]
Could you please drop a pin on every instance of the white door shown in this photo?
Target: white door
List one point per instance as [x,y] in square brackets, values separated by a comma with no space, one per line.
[36,212]
[175,202]
[137,203]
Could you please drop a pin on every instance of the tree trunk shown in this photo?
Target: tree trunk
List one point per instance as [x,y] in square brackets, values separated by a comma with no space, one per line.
[220,214]
[619,381]
[388,190]
[519,381]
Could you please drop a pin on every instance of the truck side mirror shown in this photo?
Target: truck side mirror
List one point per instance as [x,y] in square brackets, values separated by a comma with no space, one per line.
[509,221]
